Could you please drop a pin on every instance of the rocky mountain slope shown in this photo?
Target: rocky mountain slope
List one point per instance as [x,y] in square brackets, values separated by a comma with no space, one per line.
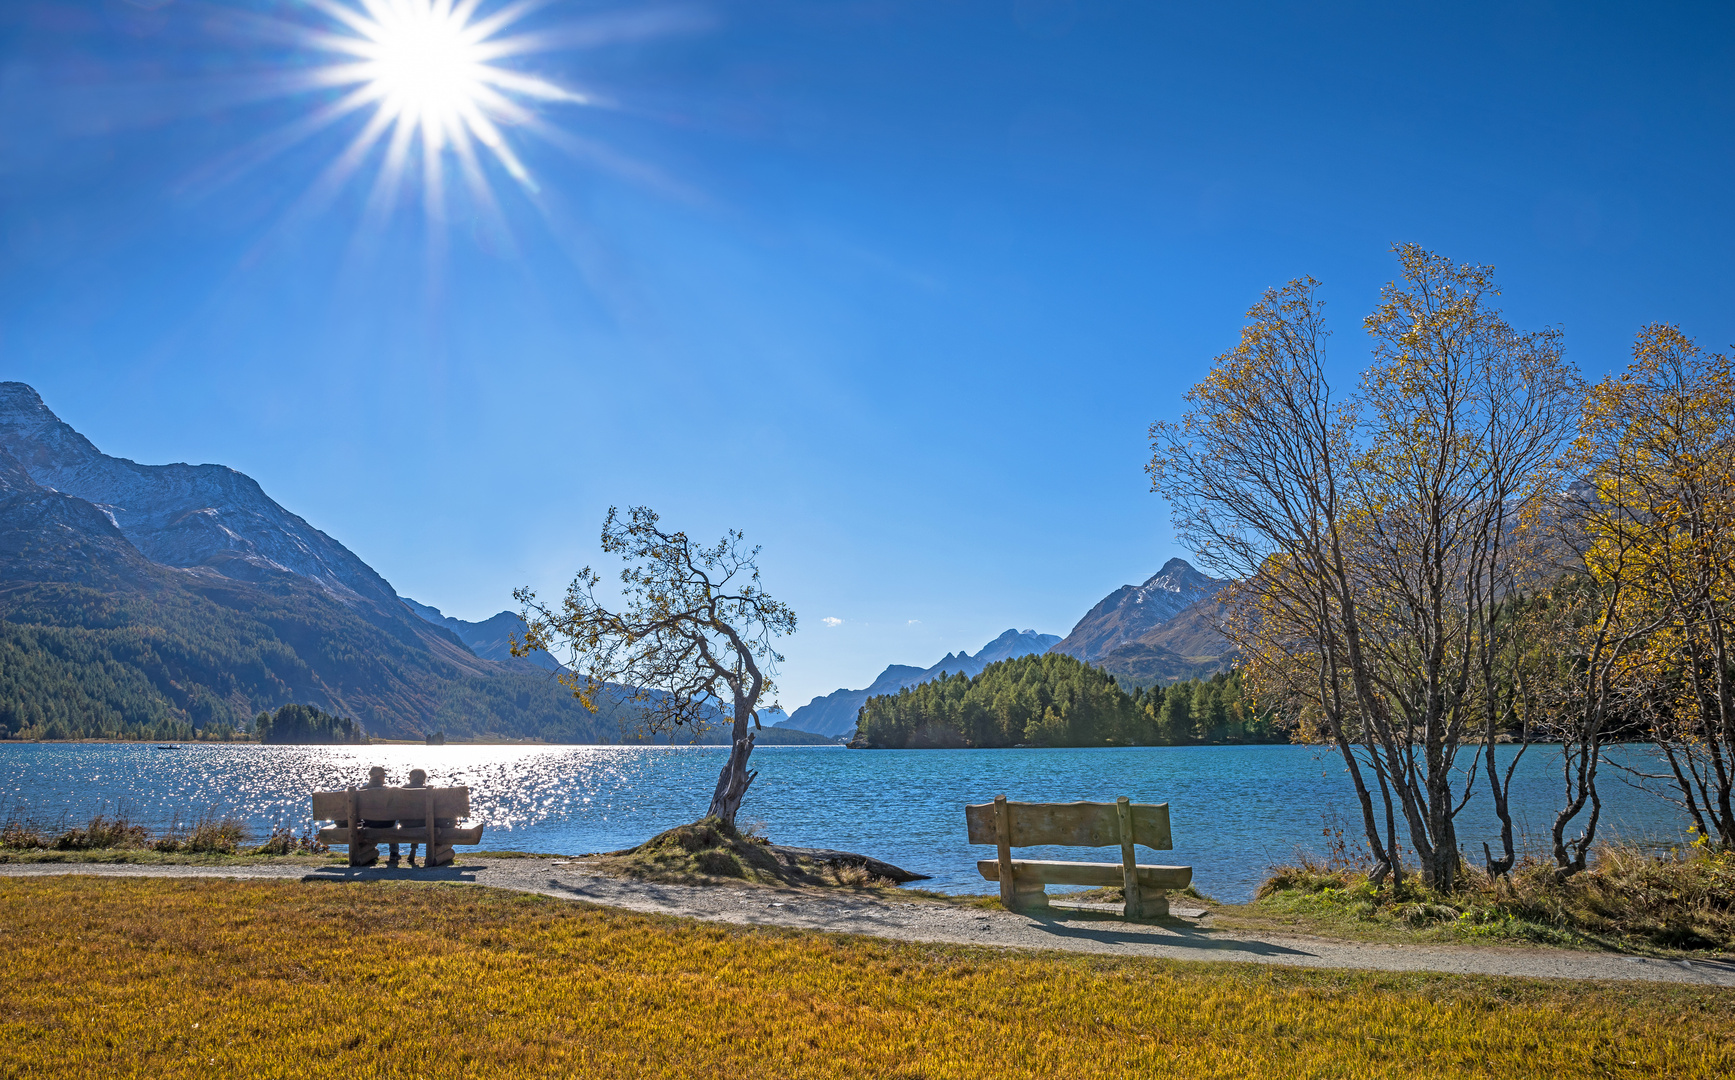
[137,599]
[834,713]
[185,516]
[1131,611]
[1192,632]
[1170,641]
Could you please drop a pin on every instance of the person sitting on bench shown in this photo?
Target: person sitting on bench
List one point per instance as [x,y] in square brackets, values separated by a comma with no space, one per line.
[438,854]
[418,779]
[369,852]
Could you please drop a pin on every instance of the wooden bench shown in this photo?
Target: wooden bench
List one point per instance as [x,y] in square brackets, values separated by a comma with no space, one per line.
[1079,824]
[430,805]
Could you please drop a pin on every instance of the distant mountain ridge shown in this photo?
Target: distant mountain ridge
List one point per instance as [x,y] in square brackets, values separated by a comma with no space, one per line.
[490,639]
[835,713]
[1159,632]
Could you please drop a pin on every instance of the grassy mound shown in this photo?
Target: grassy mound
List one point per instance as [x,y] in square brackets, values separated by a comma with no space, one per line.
[708,852]
[178,979]
[1628,898]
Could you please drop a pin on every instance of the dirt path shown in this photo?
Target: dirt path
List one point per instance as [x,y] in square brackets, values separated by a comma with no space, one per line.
[1073,930]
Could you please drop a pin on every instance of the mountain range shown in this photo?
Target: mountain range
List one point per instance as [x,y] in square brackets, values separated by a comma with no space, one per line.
[134,598]
[1158,632]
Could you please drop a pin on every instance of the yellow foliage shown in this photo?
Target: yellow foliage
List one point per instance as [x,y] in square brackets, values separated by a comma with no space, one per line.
[120,978]
[1658,441]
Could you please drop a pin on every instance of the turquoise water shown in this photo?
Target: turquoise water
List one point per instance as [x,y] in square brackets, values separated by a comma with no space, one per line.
[1236,810]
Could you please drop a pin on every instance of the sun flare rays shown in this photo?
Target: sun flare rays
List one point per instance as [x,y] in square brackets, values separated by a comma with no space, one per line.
[428,75]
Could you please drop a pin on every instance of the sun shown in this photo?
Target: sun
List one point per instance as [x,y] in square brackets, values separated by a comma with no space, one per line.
[428,74]
[424,66]
[436,96]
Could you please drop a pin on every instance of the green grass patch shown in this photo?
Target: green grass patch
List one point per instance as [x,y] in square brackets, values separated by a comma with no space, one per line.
[196,978]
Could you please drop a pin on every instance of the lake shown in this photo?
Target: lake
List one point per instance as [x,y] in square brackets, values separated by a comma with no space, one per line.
[1236,810]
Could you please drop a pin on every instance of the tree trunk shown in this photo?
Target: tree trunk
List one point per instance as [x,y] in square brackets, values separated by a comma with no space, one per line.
[732,784]
[1498,868]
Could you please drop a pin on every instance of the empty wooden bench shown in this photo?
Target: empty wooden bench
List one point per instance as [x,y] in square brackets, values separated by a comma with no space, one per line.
[430,805]
[1079,824]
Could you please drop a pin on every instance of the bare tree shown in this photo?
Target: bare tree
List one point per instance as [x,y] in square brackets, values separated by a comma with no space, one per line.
[693,639]
[1257,476]
[1576,643]
[1374,542]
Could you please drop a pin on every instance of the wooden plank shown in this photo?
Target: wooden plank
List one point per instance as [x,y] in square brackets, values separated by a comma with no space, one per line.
[391,803]
[331,834]
[432,825]
[1088,873]
[1003,838]
[353,820]
[1078,824]
[1129,862]
[1029,896]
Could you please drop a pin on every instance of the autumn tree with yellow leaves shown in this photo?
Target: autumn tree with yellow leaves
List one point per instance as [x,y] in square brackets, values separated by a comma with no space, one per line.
[1658,446]
[1376,538]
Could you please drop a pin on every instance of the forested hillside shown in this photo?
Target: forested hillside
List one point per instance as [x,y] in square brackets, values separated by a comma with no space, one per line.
[178,602]
[174,664]
[1057,700]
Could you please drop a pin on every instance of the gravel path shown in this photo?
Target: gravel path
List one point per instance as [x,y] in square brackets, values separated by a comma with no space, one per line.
[1075,930]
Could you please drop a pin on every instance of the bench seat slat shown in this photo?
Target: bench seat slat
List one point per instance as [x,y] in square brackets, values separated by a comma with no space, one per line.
[333,835]
[1087,873]
[392,803]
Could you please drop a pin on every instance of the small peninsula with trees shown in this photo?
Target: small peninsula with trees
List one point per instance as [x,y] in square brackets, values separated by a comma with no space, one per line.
[1052,699]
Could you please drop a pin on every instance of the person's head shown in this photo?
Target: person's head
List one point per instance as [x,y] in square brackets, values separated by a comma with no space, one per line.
[418,778]
[376,777]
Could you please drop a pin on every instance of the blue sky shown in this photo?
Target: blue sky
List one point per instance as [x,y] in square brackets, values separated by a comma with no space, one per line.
[895,288]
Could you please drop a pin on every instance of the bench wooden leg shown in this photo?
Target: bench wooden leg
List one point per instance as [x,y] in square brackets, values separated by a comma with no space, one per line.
[1003,837]
[1153,904]
[1134,907]
[354,826]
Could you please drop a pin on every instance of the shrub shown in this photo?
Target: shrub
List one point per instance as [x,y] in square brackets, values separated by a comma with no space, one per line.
[1679,899]
[283,841]
[103,832]
[209,835]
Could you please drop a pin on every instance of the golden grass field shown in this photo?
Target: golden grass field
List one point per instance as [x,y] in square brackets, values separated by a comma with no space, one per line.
[160,978]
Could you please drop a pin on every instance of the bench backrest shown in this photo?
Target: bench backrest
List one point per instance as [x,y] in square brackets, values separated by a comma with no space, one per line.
[392,803]
[1078,824]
